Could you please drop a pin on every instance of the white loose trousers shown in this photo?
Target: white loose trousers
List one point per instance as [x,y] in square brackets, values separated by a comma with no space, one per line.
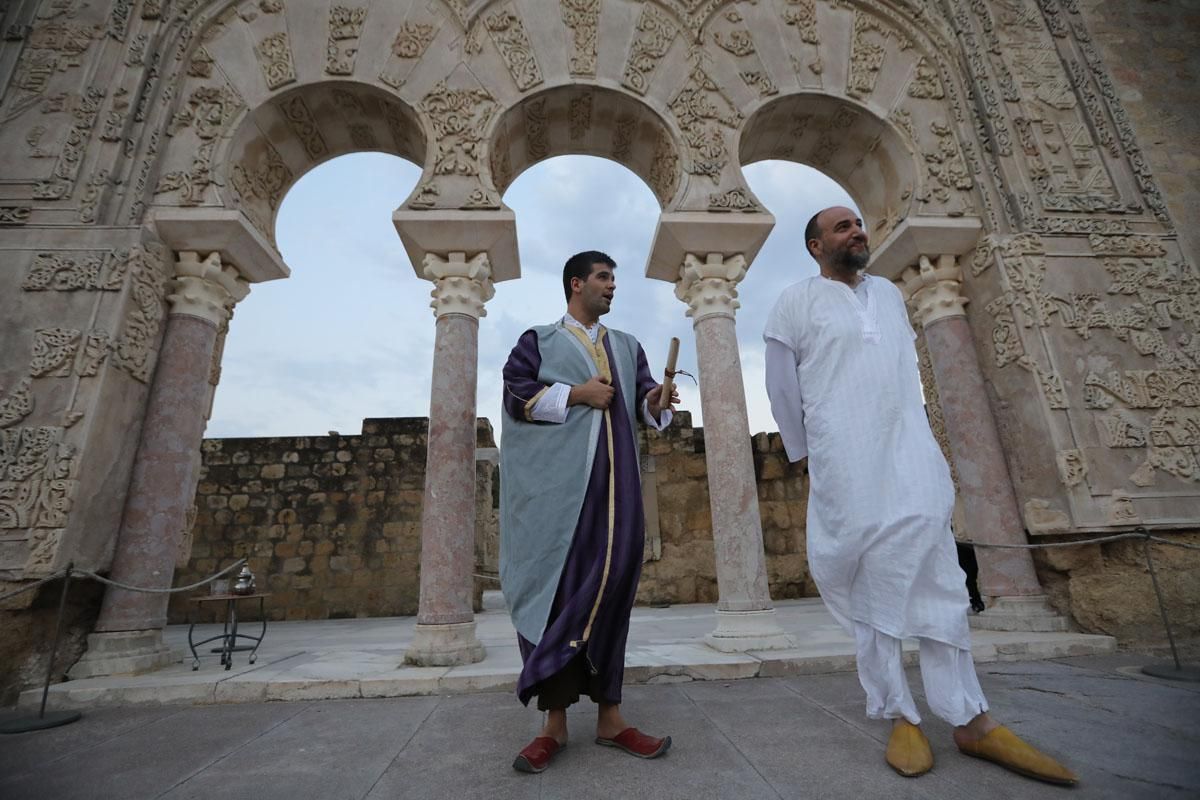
[951,686]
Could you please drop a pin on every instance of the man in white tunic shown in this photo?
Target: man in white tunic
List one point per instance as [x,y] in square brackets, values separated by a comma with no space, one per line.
[842,378]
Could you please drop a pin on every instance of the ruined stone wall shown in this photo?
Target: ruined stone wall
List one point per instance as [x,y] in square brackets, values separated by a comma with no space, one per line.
[1106,588]
[331,525]
[680,565]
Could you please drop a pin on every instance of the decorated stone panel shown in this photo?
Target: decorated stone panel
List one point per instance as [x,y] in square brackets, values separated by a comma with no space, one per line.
[1097,338]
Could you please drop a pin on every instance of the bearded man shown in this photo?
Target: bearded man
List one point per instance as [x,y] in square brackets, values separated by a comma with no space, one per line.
[841,373]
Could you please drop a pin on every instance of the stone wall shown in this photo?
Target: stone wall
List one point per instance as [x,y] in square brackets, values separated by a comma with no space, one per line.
[680,566]
[331,525]
[1106,588]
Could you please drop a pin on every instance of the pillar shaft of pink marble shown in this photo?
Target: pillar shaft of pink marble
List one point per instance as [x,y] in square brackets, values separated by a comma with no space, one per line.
[163,484]
[733,490]
[985,488]
[448,516]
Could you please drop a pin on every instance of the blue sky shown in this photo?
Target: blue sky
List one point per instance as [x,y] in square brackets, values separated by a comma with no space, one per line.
[350,334]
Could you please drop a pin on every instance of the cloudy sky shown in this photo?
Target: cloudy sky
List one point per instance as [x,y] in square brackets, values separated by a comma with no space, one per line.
[350,334]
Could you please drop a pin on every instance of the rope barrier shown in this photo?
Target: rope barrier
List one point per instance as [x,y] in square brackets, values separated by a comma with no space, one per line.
[1142,534]
[32,586]
[173,590]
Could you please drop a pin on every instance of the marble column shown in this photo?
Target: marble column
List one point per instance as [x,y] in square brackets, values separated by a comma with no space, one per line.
[445,630]
[989,504]
[745,615]
[128,635]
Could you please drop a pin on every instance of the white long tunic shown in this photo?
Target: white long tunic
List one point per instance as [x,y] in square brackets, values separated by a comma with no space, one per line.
[844,388]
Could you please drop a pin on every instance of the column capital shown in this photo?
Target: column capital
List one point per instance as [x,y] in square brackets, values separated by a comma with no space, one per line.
[205,288]
[934,292]
[709,287]
[460,285]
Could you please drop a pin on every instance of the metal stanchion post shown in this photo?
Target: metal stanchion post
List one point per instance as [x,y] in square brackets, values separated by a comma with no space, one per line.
[54,718]
[1179,672]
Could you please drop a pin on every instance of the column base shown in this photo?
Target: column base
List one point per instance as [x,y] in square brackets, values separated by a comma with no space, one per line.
[1019,613]
[740,631]
[444,645]
[123,653]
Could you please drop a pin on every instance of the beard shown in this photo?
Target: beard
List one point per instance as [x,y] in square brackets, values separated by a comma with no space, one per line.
[848,263]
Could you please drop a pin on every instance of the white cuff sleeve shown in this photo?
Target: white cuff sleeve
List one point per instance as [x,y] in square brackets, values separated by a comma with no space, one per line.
[667,414]
[552,406]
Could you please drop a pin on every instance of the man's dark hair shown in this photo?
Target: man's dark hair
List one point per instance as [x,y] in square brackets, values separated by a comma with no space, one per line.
[812,230]
[580,266]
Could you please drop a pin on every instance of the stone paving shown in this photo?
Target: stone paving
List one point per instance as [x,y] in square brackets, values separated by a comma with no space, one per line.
[352,658]
[1128,736]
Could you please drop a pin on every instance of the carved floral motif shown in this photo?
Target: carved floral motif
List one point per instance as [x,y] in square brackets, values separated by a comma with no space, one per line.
[345,27]
[581,16]
[655,34]
[508,32]
[275,59]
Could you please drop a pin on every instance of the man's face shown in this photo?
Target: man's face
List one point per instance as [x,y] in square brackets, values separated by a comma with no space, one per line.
[843,242]
[596,293]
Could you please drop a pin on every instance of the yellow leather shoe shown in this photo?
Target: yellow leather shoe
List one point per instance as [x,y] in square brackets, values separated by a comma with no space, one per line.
[908,750]
[1008,750]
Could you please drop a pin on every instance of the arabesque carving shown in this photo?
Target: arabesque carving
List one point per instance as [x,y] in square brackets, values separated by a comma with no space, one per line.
[458,117]
[581,16]
[208,110]
[63,273]
[301,121]
[868,46]
[133,349]
[345,28]
[17,404]
[702,110]
[53,352]
[655,34]
[37,477]
[508,32]
[275,59]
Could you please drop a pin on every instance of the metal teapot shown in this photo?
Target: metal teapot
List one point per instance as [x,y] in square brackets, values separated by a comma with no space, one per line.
[245,581]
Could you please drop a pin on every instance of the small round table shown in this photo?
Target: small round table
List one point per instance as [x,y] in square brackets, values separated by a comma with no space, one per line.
[229,635]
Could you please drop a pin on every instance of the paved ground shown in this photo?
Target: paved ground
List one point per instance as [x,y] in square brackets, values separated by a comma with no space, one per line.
[1127,735]
[363,658]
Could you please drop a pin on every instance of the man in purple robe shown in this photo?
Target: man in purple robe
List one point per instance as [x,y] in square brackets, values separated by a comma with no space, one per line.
[571,519]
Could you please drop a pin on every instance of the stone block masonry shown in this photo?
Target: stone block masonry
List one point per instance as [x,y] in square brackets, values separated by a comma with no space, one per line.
[331,525]
[679,562]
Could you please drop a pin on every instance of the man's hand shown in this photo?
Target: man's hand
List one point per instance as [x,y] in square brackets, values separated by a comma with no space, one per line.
[596,393]
[653,398]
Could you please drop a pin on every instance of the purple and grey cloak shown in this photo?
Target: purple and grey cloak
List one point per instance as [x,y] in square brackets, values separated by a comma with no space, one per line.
[571,519]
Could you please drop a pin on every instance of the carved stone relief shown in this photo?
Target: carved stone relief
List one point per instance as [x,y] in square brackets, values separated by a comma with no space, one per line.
[37,477]
[868,46]
[537,145]
[508,32]
[655,33]
[412,39]
[345,28]
[53,352]
[275,59]
[302,124]
[579,116]
[730,34]
[458,117]
[705,114]
[133,350]
[581,17]
[259,186]
[209,109]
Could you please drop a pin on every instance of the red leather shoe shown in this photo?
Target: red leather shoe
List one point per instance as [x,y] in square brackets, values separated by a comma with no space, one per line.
[537,754]
[636,743]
